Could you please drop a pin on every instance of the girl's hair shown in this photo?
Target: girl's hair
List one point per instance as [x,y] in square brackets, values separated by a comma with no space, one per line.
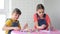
[40,6]
[17,11]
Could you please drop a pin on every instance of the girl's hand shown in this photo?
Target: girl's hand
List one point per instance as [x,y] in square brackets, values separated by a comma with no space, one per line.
[52,28]
[41,27]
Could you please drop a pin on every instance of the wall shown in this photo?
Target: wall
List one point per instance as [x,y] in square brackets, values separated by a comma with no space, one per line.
[53,9]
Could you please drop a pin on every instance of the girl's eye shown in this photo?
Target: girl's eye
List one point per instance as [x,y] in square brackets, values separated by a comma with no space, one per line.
[41,12]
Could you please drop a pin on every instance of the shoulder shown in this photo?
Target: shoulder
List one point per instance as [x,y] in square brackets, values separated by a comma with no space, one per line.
[35,15]
[8,20]
[47,15]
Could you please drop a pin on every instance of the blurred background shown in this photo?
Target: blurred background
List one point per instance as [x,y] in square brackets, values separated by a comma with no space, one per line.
[28,8]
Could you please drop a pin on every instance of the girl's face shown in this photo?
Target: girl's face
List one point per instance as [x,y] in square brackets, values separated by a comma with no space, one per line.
[15,16]
[40,12]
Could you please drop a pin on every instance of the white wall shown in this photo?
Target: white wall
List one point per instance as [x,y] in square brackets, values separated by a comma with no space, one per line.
[53,9]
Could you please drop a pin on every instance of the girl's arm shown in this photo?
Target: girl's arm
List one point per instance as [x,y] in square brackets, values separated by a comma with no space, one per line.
[49,23]
[36,23]
[40,27]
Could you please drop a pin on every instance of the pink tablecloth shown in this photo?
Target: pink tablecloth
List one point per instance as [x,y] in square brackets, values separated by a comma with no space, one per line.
[40,32]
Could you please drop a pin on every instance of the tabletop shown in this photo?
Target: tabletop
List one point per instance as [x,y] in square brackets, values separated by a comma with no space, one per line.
[36,32]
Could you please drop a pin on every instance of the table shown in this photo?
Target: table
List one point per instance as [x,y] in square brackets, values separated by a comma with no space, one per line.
[36,32]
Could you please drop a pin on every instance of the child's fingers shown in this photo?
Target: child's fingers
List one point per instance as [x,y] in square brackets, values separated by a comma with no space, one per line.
[16,28]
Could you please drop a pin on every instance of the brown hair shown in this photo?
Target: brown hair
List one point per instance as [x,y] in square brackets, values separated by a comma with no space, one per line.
[17,11]
[40,6]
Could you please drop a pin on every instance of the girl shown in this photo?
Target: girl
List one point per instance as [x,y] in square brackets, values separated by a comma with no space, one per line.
[41,19]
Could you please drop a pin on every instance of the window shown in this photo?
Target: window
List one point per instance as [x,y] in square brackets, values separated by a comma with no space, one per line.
[1,4]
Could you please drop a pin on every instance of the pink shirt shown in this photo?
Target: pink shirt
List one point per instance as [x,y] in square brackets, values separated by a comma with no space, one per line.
[46,18]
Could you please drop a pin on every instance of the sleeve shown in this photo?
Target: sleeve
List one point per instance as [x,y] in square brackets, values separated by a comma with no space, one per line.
[35,18]
[48,19]
[8,23]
